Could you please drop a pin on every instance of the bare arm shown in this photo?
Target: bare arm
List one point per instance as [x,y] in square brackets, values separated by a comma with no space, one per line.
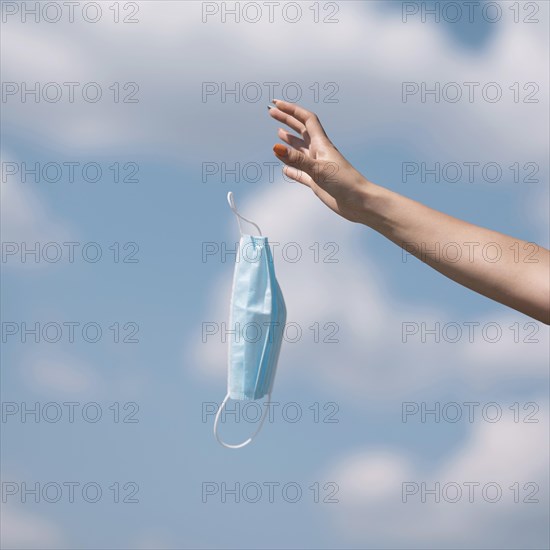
[510,271]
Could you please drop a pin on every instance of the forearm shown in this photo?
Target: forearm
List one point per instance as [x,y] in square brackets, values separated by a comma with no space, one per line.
[510,271]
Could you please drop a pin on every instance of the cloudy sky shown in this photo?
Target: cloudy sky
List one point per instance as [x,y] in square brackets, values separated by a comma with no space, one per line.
[410,412]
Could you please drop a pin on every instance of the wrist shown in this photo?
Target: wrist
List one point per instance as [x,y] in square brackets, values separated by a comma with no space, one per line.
[374,200]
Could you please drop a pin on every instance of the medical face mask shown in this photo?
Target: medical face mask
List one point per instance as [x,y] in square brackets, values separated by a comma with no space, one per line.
[257,317]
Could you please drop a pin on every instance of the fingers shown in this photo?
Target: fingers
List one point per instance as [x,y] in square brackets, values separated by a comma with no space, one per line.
[300,117]
[292,140]
[287,119]
[299,165]
[298,175]
[296,159]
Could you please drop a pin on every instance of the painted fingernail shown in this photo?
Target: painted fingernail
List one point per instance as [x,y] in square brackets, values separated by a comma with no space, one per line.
[270,107]
[275,100]
[280,150]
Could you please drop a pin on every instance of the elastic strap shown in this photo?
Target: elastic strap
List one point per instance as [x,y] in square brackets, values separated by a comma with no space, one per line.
[245,443]
[233,207]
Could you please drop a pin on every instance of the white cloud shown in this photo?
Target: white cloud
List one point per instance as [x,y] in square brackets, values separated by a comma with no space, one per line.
[536,210]
[25,218]
[59,372]
[26,221]
[368,54]
[25,530]
[371,510]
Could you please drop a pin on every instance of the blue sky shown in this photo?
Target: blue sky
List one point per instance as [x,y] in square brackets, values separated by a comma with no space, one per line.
[166,218]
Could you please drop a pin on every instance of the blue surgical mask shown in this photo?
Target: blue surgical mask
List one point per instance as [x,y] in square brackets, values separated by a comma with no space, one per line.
[258,316]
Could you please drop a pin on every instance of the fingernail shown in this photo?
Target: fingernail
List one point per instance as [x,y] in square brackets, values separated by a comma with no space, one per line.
[275,100]
[280,150]
[270,107]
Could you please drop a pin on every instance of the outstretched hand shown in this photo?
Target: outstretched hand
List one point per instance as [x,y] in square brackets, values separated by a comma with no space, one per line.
[313,160]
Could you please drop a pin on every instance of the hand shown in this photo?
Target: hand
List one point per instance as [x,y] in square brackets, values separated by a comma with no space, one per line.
[314,161]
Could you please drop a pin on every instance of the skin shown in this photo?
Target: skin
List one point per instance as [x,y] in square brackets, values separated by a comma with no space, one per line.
[519,278]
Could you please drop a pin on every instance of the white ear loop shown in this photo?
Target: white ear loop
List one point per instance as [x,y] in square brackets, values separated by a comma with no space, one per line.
[244,443]
[233,207]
